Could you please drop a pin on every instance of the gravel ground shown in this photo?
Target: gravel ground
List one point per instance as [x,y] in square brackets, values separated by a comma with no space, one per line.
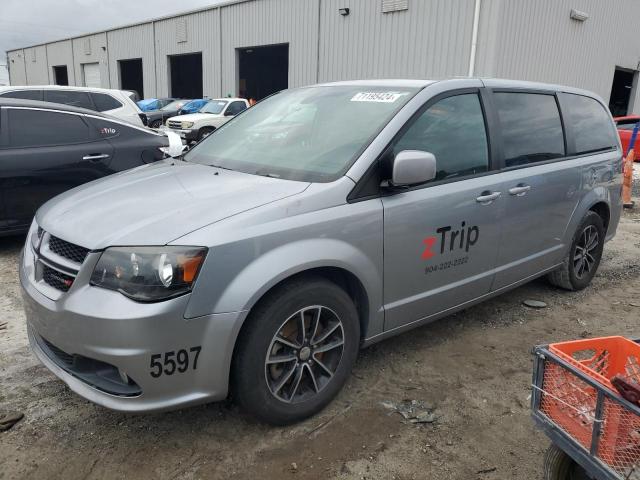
[472,369]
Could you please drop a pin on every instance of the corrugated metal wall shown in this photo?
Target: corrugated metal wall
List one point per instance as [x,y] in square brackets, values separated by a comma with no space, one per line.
[61,53]
[540,42]
[202,35]
[128,43]
[36,65]
[270,22]
[15,64]
[430,39]
[521,39]
[91,49]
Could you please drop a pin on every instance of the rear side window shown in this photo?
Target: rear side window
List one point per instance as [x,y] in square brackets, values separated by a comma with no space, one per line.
[24,94]
[69,97]
[105,102]
[531,128]
[37,128]
[589,123]
[235,108]
[453,130]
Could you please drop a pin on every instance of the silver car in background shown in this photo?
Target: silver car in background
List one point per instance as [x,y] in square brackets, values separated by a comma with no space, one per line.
[324,219]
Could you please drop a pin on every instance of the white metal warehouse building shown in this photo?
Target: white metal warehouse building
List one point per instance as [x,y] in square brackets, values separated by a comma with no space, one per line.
[253,47]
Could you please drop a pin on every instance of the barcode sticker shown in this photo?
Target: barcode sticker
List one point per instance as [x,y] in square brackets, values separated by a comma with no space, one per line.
[380,97]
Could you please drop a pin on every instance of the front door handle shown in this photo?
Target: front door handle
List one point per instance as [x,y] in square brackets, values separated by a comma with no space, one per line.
[520,190]
[488,197]
[94,157]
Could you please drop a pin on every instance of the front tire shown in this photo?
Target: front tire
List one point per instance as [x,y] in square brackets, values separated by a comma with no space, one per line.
[204,132]
[156,124]
[583,260]
[296,351]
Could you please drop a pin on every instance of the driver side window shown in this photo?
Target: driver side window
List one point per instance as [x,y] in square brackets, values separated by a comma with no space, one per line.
[453,129]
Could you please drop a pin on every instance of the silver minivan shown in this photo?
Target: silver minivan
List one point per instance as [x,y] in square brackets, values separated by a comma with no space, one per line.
[322,220]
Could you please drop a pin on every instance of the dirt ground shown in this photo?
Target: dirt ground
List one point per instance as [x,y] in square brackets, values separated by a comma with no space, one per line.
[473,368]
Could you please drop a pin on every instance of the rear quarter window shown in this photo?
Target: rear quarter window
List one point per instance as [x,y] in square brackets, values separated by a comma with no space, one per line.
[69,97]
[38,128]
[590,124]
[531,127]
[24,94]
[105,102]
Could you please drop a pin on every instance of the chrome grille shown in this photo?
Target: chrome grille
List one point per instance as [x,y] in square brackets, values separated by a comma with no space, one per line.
[56,279]
[72,252]
[176,125]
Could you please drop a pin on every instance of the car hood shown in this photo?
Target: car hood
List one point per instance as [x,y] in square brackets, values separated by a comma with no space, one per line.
[158,203]
[194,117]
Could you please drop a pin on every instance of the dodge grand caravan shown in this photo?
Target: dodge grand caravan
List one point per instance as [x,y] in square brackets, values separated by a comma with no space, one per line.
[322,220]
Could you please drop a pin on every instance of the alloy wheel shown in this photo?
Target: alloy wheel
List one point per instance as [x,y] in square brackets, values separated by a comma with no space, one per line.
[584,260]
[304,354]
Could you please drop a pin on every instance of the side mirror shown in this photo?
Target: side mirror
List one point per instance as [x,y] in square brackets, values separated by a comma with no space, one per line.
[229,113]
[176,147]
[412,167]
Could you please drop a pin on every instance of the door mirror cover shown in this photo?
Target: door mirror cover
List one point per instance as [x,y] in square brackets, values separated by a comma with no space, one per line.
[413,167]
[175,148]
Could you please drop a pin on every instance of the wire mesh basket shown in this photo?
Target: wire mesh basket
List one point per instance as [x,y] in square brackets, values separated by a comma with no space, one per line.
[576,404]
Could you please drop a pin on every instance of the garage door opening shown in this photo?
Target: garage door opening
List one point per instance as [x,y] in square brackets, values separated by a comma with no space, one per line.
[263,71]
[623,84]
[131,76]
[91,75]
[186,75]
[60,75]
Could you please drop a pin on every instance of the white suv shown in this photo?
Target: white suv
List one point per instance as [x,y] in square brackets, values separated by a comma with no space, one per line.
[214,114]
[112,102]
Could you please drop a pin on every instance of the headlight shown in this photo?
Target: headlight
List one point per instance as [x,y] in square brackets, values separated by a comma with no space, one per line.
[36,237]
[149,274]
[186,124]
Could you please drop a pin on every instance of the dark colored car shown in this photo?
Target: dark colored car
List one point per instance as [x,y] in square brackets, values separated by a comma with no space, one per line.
[156,118]
[48,148]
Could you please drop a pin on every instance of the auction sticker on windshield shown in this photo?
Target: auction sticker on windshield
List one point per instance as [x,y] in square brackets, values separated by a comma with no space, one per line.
[381,97]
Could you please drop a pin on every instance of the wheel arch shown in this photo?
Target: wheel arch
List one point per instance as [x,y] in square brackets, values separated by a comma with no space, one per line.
[342,277]
[597,200]
[604,211]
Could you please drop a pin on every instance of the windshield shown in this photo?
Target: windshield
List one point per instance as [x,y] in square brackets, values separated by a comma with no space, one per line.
[214,106]
[175,105]
[310,134]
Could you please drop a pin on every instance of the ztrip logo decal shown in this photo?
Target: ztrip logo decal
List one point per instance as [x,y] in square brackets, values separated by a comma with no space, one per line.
[108,131]
[449,240]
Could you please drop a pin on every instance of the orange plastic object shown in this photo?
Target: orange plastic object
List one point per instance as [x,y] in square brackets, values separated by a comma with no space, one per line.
[602,358]
[627,179]
[571,402]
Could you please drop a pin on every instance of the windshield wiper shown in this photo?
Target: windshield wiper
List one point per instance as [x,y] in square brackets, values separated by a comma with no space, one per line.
[262,173]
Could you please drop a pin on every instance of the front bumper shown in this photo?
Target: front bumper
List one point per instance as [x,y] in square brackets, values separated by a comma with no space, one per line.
[186,134]
[109,329]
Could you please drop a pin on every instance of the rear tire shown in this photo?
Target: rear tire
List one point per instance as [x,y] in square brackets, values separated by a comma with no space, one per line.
[583,259]
[560,466]
[284,370]
[156,124]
